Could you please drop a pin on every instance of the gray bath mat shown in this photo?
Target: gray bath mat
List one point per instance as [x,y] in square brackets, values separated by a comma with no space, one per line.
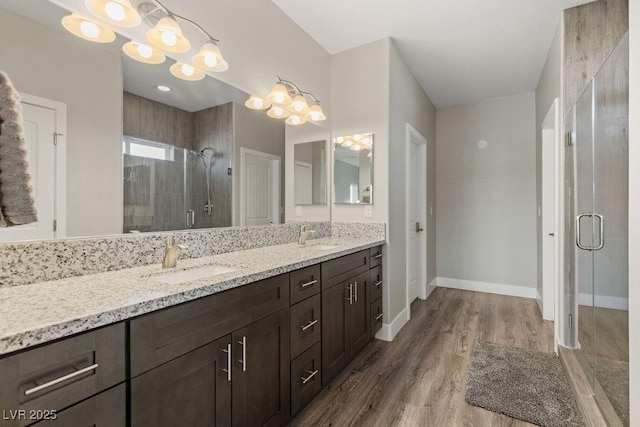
[523,384]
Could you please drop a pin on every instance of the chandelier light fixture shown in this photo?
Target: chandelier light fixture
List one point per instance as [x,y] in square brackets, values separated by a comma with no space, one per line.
[287,101]
[164,35]
[357,142]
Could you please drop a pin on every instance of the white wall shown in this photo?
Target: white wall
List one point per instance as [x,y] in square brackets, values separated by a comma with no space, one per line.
[634,210]
[296,135]
[486,198]
[408,104]
[51,64]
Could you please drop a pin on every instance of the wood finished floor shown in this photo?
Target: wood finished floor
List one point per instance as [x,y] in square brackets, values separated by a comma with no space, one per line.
[419,379]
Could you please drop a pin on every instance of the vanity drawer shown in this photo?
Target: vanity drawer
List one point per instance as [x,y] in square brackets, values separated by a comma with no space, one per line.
[344,268]
[305,325]
[376,256]
[162,336]
[304,283]
[376,283]
[376,316]
[58,375]
[306,378]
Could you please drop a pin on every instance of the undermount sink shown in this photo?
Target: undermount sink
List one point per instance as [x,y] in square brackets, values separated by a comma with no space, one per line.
[184,276]
[323,247]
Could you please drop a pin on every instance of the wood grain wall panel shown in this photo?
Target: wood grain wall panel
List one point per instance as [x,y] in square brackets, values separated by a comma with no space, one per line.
[591,33]
[153,121]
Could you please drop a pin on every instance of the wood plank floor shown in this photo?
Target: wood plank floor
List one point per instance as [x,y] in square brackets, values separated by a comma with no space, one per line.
[419,379]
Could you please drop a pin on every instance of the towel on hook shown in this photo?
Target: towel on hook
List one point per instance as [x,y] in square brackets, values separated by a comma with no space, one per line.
[17,205]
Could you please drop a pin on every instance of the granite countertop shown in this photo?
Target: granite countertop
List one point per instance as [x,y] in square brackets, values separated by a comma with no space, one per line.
[43,312]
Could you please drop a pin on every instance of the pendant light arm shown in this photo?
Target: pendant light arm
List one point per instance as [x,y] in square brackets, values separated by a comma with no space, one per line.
[296,90]
[195,24]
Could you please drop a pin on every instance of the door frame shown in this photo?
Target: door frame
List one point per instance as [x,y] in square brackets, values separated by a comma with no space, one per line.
[276,160]
[551,145]
[413,136]
[60,160]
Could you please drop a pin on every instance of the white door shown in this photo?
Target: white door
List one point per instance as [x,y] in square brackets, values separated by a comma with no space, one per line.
[39,129]
[261,188]
[413,205]
[303,187]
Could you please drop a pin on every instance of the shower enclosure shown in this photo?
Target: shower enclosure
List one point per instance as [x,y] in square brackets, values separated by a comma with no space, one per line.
[597,189]
[170,188]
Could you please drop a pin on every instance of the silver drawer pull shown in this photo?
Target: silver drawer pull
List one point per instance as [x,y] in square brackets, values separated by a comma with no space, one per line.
[308,325]
[355,294]
[377,256]
[377,284]
[311,375]
[228,370]
[61,379]
[306,285]
[243,361]
[350,299]
[379,316]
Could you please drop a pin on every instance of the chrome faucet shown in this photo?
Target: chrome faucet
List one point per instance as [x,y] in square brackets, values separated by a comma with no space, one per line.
[171,253]
[304,234]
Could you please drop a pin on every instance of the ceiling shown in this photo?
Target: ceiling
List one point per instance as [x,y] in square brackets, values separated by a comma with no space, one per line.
[461,51]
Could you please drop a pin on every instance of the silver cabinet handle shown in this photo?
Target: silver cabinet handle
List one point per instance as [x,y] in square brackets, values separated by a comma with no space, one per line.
[601,223]
[229,363]
[191,218]
[243,361]
[308,325]
[377,284]
[578,224]
[350,299]
[306,285]
[356,292]
[311,375]
[379,316]
[61,379]
[377,256]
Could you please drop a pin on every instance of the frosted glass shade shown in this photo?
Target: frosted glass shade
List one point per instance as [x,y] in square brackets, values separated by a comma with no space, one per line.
[88,29]
[116,12]
[209,58]
[143,53]
[167,35]
[186,72]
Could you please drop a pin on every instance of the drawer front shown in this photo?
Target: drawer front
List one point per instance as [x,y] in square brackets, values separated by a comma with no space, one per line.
[375,255]
[376,283]
[305,325]
[58,375]
[376,316]
[344,268]
[159,337]
[304,283]
[306,378]
[107,409]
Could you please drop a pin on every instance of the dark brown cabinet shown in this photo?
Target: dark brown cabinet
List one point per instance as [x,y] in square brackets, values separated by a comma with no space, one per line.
[358,315]
[375,290]
[193,390]
[260,374]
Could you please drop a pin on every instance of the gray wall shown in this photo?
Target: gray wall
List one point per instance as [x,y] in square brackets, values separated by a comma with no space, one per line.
[345,173]
[486,198]
[58,66]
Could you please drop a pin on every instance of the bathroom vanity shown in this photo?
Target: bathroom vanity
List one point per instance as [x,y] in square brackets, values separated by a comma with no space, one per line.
[250,346]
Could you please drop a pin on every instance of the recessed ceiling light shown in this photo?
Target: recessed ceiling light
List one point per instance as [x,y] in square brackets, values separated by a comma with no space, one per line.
[163,88]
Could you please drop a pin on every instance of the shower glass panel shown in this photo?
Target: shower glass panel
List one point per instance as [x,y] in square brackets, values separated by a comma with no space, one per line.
[601,120]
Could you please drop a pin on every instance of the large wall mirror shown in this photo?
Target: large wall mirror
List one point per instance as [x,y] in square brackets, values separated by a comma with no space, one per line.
[353,169]
[139,150]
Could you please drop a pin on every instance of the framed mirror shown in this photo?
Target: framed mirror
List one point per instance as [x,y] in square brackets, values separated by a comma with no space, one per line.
[353,169]
[138,149]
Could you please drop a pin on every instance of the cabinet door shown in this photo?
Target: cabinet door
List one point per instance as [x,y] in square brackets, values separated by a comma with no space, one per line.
[335,331]
[192,390]
[359,321]
[261,389]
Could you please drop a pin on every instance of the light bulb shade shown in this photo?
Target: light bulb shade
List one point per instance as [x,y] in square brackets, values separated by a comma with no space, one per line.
[347,143]
[277,112]
[315,114]
[279,95]
[87,29]
[257,103]
[296,120]
[116,12]
[186,72]
[298,105]
[167,35]
[209,58]
[143,53]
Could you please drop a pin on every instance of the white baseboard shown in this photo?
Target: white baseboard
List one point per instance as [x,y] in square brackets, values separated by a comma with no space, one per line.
[490,288]
[603,301]
[431,287]
[389,330]
[539,301]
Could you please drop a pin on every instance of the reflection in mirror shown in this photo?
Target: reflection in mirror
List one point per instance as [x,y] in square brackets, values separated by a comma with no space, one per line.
[353,169]
[310,173]
[137,148]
